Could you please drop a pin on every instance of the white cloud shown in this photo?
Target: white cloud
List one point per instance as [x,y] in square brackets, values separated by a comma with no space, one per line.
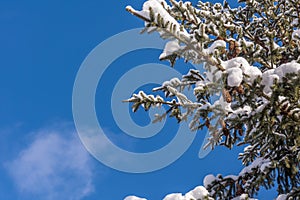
[54,166]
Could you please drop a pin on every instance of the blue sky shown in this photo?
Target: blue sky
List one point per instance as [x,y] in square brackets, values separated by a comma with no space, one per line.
[43,44]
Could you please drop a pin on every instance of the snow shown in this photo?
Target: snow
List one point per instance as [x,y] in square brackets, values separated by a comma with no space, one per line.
[213,27]
[174,196]
[213,74]
[237,69]
[296,34]
[174,82]
[144,13]
[208,180]
[199,87]
[197,193]
[248,148]
[157,8]
[233,67]
[215,45]
[287,68]
[140,95]
[251,73]
[281,197]
[170,48]
[269,76]
[295,22]
[134,198]
[275,45]
[259,162]
[243,197]
[224,105]
[247,43]
[201,31]
[235,77]
[235,62]
[244,110]
[182,99]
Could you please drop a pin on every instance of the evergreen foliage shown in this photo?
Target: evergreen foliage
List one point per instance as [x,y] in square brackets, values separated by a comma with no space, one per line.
[251,55]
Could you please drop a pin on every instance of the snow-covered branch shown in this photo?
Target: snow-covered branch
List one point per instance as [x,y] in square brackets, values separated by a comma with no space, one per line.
[249,93]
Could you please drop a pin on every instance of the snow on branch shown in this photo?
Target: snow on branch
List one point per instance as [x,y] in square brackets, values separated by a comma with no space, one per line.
[249,92]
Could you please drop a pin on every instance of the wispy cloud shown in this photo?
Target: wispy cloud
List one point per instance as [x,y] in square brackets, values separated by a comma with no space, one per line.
[54,166]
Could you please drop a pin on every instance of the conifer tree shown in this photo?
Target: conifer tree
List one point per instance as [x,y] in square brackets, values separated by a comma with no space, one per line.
[251,55]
